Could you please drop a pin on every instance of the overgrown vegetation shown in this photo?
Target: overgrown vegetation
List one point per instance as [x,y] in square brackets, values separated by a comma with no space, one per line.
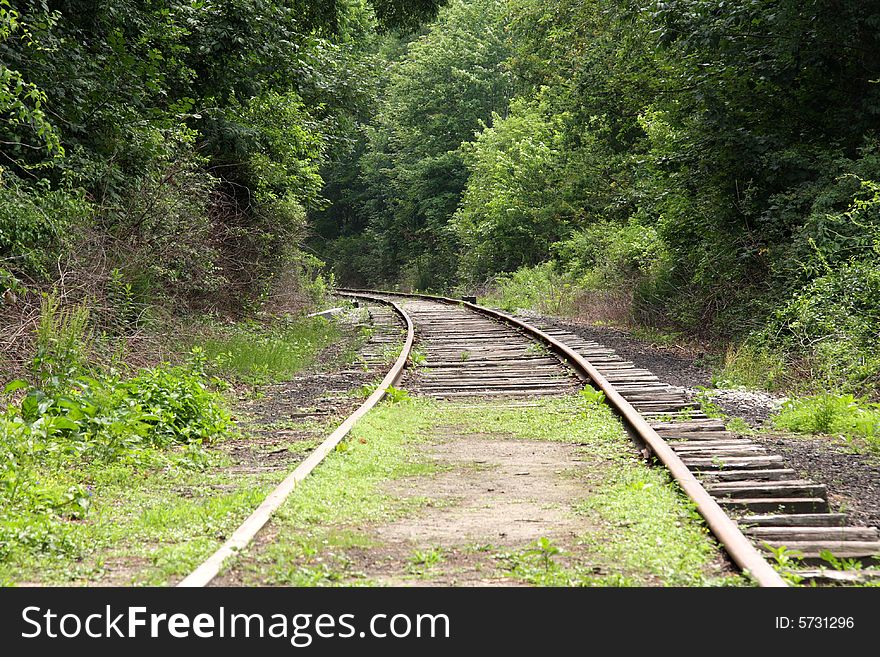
[856,421]
[58,436]
[158,161]
[258,352]
[317,546]
[689,164]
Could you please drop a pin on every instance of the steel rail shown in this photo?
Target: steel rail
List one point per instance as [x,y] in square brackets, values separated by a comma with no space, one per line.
[725,530]
[245,533]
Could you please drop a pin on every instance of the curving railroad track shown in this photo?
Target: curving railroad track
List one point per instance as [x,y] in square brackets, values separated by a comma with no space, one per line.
[752,503]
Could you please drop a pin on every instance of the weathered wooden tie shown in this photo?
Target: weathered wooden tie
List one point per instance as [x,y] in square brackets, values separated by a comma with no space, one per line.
[468,355]
[772,503]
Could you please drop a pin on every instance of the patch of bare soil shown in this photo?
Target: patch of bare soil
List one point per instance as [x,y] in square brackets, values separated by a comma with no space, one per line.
[490,493]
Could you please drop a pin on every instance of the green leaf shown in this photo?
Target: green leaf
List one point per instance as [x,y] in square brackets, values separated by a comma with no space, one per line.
[61,422]
[12,386]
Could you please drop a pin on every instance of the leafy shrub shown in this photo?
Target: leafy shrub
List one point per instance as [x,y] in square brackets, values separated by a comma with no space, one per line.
[176,406]
[35,225]
[832,414]
[834,322]
[607,255]
[541,288]
[397,395]
[51,437]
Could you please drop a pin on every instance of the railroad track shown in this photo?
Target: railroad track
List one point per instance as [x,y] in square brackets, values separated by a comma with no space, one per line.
[752,503]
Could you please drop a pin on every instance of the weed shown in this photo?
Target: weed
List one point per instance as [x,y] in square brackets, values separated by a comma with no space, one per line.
[368,389]
[125,310]
[832,414]
[752,367]
[264,353]
[545,550]
[592,396]
[537,349]
[464,355]
[739,426]
[656,336]
[62,341]
[710,408]
[396,395]
[840,564]
[786,561]
[422,561]
[391,352]
[417,358]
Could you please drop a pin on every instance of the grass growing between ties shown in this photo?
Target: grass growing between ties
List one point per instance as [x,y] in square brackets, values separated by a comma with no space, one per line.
[312,534]
[646,530]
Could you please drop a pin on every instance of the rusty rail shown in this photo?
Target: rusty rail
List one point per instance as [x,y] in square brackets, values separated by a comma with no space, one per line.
[241,537]
[735,543]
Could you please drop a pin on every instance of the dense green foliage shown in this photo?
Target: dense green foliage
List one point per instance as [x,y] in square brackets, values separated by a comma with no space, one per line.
[690,162]
[179,142]
[707,164]
[439,92]
[159,158]
[55,434]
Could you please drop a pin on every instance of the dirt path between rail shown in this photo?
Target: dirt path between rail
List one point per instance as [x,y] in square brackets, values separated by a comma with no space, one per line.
[498,495]
[483,494]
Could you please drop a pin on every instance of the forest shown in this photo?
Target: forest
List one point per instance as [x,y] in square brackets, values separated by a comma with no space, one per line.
[182,181]
[708,166]
[701,165]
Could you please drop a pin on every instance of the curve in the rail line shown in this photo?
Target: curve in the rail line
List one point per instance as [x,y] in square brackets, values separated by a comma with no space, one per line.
[245,533]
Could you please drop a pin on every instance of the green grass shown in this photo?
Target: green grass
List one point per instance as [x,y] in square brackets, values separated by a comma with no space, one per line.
[537,349]
[423,562]
[112,478]
[346,489]
[739,426]
[657,336]
[709,407]
[858,422]
[268,353]
[648,527]
[646,531]
[149,526]
[541,565]
[752,367]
